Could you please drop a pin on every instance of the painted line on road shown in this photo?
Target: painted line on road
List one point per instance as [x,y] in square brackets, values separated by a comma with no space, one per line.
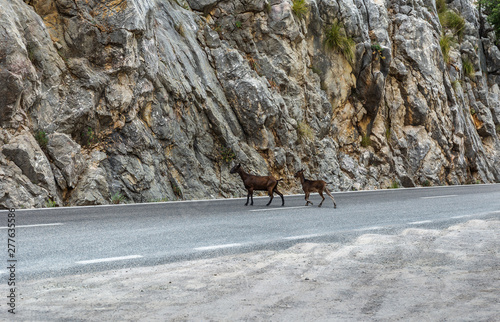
[369,228]
[213,247]
[435,197]
[301,237]
[486,213]
[38,225]
[420,222]
[109,259]
[272,209]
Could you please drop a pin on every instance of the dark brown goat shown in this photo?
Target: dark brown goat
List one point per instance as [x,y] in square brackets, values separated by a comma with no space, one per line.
[251,182]
[314,186]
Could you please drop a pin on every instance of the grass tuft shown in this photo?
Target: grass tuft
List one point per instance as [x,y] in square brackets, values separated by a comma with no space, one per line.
[50,203]
[299,8]
[336,39]
[446,42]
[366,141]
[468,68]
[451,20]
[117,198]
[42,139]
[304,131]
[394,185]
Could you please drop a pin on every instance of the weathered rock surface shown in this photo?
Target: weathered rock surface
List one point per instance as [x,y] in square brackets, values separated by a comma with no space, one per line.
[67,157]
[153,100]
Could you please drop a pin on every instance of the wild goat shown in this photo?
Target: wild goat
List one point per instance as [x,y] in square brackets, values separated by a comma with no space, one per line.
[251,182]
[314,186]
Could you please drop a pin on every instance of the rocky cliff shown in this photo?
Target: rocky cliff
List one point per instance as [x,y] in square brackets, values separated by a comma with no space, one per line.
[147,100]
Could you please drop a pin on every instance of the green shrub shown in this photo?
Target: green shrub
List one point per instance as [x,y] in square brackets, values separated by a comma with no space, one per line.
[446,42]
[42,139]
[226,154]
[177,191]
[88,137]
[238,24]
[394,185]
[377,49]
[426,183]
[492,10]
[117,198]
[468,68]
[299,8]
[336,39]
[50,203]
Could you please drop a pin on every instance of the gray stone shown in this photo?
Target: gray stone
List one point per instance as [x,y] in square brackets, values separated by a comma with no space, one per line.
[67,157]
[24,151]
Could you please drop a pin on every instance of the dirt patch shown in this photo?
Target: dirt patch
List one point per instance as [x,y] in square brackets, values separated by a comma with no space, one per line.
[420,274]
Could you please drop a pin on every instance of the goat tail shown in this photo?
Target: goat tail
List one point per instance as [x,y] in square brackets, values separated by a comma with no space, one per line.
[280,180]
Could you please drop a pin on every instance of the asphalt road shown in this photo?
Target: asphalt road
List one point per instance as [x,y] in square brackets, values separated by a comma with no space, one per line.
[60,241]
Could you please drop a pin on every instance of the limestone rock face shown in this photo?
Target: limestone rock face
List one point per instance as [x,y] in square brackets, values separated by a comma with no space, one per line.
[154,100]
[67,157]
[27,163]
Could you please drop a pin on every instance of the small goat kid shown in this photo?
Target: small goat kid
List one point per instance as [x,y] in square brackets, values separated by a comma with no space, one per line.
[314,186]
[265,183]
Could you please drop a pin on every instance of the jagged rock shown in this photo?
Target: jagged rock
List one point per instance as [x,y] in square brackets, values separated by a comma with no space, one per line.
[67,157]
[93,188]
[16,190]
[24,151]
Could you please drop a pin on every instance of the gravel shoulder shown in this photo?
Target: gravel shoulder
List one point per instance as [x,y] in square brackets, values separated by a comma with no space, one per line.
[419,274]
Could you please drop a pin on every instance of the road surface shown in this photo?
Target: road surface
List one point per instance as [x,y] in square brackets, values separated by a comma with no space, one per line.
[62,241]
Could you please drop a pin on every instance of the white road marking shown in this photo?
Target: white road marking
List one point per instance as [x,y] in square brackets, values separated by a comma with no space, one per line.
[38,225]
[435,197]
[217,247]
[486,213]
[109,259]
[301,237]
[282,208]
[420,222]
[369,228]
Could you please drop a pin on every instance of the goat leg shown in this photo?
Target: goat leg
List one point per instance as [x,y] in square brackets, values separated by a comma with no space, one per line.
[281,195]
[248,197]
[271,196]
[307,199]
[321,194]
[330,195]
